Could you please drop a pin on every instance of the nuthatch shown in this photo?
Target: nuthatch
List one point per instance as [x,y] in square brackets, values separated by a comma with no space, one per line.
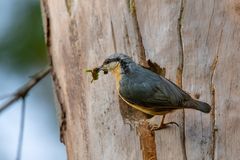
[147,91]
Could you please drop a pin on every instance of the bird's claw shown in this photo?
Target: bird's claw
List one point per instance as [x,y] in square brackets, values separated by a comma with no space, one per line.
[155,127]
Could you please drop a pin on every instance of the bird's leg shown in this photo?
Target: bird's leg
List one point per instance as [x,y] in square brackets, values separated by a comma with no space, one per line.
[162,124]
[165,125]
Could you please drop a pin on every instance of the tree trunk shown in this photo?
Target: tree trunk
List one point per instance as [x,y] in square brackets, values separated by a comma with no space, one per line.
[198,44]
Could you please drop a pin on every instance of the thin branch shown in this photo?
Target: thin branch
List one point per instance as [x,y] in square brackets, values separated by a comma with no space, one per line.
[23,91]
[21,133]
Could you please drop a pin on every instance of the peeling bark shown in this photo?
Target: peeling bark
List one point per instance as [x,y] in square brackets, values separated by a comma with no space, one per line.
[147,141]
[47,30]
[69,6]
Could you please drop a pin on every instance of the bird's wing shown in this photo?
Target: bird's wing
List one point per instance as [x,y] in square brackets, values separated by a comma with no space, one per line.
[151,90]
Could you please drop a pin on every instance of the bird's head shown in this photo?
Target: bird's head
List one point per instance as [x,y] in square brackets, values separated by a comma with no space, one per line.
[114,61]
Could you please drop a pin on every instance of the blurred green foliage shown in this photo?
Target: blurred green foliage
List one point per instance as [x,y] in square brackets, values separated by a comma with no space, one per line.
[23,46]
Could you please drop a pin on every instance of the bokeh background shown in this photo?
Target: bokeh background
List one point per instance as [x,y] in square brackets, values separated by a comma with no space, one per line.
[23,53]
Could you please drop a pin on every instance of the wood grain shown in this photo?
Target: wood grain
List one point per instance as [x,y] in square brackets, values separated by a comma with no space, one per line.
[196,42]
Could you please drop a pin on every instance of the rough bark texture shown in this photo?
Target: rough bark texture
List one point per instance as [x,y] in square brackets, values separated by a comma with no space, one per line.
[198,44]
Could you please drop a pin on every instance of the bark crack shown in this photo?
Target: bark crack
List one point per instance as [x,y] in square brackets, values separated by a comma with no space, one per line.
[213,98]
[212,89]
[180,73]
[113,38]
[133,11]
[181,54]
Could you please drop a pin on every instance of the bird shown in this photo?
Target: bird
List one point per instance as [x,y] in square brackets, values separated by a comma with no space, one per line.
[147,91]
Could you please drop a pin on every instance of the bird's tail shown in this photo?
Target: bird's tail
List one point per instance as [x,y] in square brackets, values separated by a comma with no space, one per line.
[198,105]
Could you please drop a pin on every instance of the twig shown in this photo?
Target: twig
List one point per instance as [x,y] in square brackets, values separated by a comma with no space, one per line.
[23,91]
[21,133]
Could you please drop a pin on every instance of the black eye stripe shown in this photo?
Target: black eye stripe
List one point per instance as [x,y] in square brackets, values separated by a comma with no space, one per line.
[107,61]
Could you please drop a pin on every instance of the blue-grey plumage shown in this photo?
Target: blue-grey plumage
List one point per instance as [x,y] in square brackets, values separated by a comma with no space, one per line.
[148,91]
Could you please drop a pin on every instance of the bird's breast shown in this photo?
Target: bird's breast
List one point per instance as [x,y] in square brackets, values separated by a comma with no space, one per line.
[117,74]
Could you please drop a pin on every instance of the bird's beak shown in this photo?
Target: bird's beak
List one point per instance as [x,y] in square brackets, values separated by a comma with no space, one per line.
[103,68]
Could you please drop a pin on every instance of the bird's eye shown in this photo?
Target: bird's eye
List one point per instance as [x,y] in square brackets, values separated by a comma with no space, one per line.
[107,61]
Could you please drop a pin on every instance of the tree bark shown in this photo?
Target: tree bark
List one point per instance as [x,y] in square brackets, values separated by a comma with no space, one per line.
[196,42]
